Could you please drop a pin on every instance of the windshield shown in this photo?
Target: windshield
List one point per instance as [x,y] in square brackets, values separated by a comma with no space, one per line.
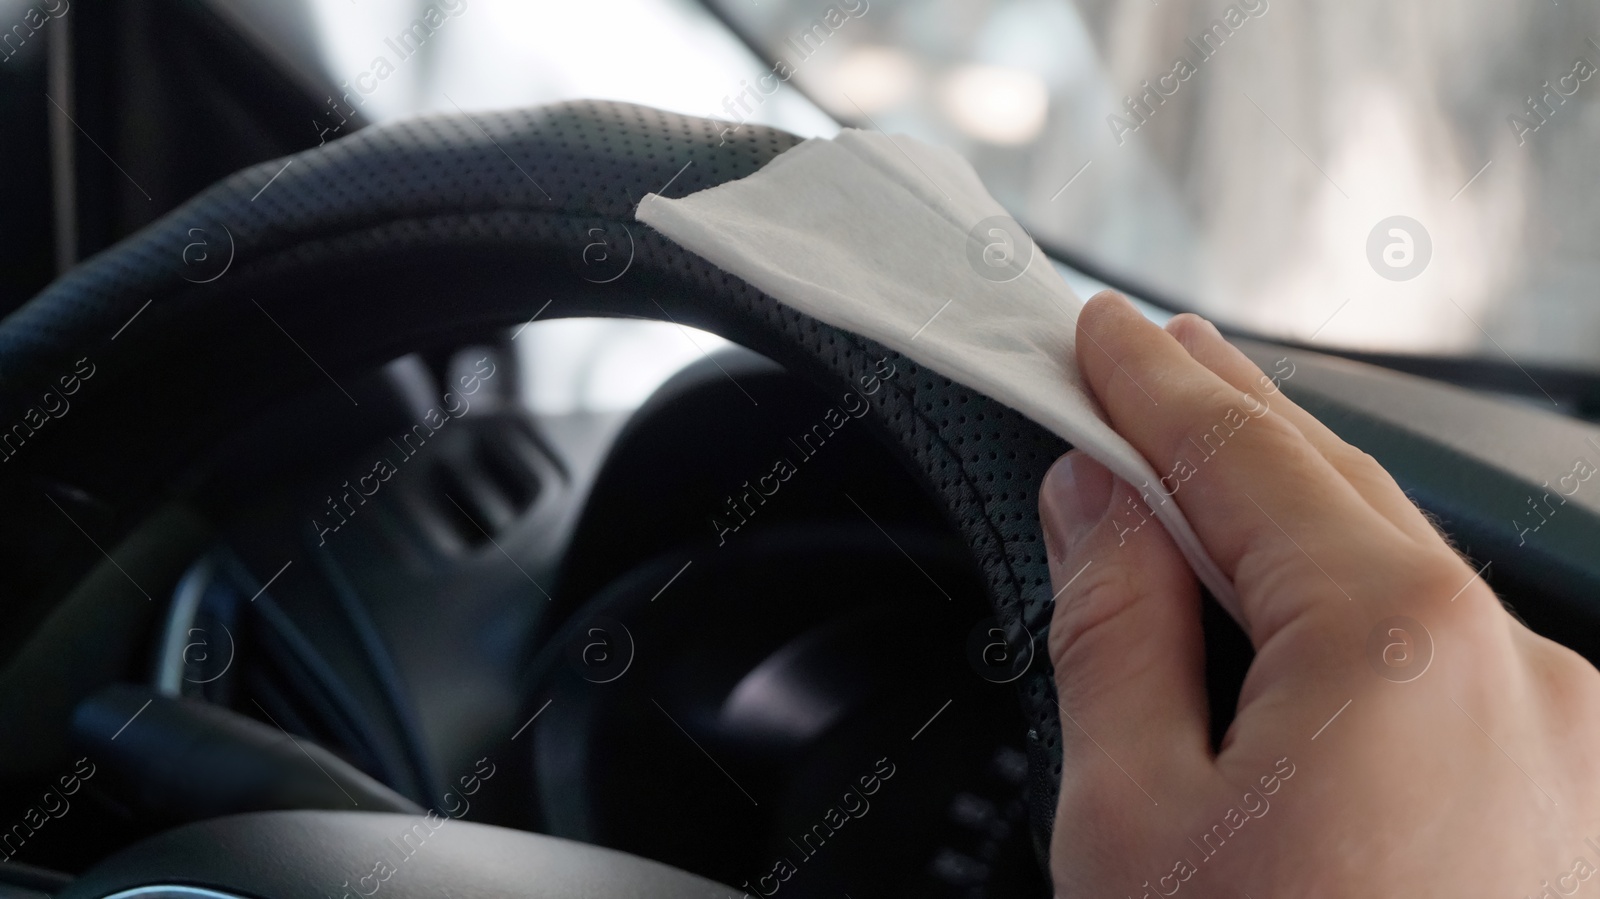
[1414,178]
[1411,179]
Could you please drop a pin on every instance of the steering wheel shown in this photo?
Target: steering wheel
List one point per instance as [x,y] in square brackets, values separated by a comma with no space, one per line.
[405,237]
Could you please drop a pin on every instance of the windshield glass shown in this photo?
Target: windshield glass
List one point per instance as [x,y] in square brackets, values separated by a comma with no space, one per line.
[1414,178]
[399,58]
[1411,179]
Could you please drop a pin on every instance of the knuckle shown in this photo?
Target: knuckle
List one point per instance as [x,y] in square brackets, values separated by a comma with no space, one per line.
[1223,417]
[1446,596]
[1356,461]
[1095,641]
[1571,682]
[1083,614]
[1434,577]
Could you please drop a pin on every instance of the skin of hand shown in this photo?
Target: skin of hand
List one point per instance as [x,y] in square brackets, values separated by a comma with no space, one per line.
[1450,753]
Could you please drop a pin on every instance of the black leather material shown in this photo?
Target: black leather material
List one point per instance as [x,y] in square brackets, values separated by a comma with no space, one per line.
[294,855]
[419,233]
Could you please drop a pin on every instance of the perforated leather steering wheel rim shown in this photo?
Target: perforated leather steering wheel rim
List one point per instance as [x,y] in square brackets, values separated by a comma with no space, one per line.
[420,233]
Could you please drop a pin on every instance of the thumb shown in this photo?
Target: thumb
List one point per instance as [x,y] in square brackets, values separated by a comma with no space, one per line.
[1125,643]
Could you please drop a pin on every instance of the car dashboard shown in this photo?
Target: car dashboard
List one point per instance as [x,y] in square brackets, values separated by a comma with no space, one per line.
[725,629]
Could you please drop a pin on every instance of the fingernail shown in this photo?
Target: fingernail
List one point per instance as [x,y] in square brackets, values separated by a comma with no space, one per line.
[1074,497]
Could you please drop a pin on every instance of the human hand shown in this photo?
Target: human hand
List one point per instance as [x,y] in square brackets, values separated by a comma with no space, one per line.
[1450,754]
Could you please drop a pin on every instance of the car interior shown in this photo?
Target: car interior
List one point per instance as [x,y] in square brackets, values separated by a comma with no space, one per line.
[385,507]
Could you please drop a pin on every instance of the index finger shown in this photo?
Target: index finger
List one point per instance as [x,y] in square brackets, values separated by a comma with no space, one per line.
[1262,499]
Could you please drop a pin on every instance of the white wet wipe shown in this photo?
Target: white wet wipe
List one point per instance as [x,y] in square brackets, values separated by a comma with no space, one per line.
[898,241]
